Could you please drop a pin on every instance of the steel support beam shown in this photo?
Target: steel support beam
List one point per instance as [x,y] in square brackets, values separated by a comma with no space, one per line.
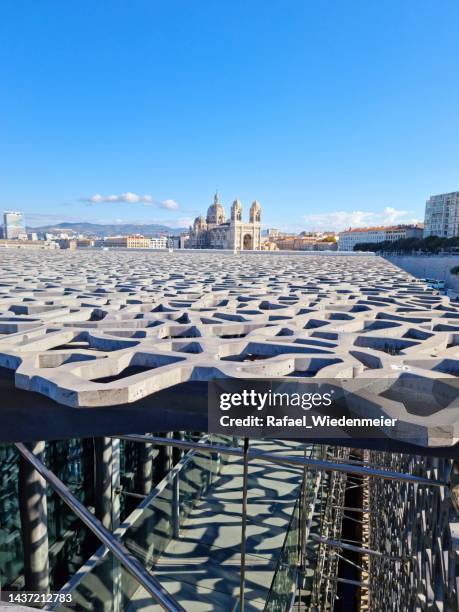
[359,549]
[147,455]
[176,505]
[103,454]
[347,581]
[245,480]
[34,522]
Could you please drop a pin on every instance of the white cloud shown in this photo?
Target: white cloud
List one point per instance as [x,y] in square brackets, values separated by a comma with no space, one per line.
[131,198]
[128,197]
[168,204]
[340,220]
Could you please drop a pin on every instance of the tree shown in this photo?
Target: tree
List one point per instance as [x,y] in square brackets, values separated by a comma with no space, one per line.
[431,244]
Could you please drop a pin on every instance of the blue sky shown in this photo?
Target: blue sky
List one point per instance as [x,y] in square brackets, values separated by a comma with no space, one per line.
[330,113]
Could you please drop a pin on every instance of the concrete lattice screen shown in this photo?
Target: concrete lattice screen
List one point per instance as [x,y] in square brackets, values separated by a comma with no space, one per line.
[103,329]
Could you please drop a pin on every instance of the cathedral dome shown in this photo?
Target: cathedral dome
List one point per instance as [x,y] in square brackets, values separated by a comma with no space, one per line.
[200,222]
[216,212]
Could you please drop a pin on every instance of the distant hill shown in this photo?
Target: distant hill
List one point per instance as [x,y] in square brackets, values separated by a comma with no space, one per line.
[99,230]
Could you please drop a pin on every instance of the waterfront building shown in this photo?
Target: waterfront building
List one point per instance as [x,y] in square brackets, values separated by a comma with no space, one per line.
[84,243]
[67,243]
[359,235]
[128,242]
[217,232]
[28,244]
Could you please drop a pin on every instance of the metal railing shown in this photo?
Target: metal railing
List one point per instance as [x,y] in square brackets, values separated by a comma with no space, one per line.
[313,464]
[127,560]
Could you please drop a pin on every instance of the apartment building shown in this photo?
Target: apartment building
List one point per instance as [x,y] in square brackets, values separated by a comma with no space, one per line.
[442,215]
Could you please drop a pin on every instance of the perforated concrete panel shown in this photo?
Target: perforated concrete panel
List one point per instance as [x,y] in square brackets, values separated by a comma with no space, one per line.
[101,328]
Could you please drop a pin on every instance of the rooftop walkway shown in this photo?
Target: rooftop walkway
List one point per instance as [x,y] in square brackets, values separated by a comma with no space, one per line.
[201,567]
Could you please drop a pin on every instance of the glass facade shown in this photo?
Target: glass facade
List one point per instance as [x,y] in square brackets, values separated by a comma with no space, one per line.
[70,542]
[13,225]
[68,538]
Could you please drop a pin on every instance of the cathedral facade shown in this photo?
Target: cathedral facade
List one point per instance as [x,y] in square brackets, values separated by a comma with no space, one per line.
[217,232]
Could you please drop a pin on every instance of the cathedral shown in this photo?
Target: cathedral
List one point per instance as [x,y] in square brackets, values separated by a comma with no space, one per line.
[217,232]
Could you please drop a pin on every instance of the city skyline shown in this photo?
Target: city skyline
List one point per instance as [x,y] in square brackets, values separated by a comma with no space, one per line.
[361,220]
[123,114]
